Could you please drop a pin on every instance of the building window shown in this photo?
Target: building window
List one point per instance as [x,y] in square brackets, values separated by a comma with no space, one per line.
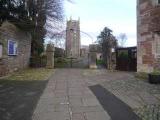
[12,47]
[158,1]
[1,50]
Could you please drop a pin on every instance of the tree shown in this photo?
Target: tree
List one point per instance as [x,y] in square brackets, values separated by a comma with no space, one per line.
[48,14]
[14,11]
[35,16]
[108,42]
[122,39]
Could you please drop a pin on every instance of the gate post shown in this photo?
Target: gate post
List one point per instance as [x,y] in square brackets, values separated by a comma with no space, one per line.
[92,56]
[50,56]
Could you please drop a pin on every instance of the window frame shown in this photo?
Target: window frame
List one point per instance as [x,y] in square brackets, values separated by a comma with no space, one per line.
[15,48]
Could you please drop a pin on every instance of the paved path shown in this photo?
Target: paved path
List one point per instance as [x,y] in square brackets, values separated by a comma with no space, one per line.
[117,109]
[142,97]
[67,97]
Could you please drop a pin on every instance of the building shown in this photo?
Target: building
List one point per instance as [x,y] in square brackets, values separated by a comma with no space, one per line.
[73,43]
[15,48]
[148,35]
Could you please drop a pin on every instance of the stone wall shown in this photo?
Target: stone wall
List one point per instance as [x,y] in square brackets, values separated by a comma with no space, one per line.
[10,63]
[148,35]
[92,56]
[50,56]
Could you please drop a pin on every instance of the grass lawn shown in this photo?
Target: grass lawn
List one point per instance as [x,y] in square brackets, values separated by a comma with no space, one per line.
[31,74]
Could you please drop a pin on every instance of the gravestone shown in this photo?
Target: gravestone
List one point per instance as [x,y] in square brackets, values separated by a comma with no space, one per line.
[92,56]
[50,56]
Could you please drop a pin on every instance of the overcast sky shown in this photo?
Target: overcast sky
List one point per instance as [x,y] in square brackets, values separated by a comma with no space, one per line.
[118,15]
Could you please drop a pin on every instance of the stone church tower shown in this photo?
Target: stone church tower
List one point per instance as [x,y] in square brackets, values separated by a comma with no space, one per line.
[148,35]
[73,43]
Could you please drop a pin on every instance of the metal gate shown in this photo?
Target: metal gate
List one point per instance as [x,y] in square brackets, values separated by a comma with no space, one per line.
[72,62]
[126,59]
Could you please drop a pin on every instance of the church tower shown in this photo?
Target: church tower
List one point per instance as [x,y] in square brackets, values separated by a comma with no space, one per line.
[73,38]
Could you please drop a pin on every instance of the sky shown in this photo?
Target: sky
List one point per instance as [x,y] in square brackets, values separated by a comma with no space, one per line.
[118,15]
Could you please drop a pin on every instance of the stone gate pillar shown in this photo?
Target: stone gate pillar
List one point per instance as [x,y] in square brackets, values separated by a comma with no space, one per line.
[50,56]
[92,56]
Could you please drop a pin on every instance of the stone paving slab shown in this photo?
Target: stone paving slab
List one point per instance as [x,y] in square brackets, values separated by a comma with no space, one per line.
[68,99]
[83,109]
[79,116]
[53,116]
[90,102]
[97,116]
[75,101]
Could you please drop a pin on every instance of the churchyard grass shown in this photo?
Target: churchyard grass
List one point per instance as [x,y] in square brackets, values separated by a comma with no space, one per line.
[31,74]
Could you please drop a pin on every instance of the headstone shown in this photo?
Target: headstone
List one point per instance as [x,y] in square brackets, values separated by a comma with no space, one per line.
[92,56]
[50,56]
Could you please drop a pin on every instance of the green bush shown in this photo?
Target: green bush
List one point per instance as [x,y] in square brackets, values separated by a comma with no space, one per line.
[61,62]
[155,72]
[99,62]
